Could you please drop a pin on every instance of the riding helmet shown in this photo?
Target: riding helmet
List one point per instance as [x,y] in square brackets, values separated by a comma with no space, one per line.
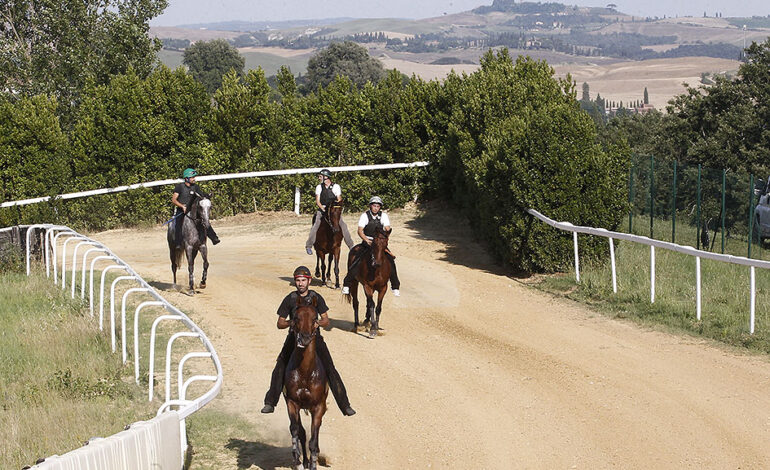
[302,271]
[189,173]
[375,200]
[326,173]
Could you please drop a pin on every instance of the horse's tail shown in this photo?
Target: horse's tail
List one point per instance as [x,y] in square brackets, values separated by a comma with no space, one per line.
[179,253]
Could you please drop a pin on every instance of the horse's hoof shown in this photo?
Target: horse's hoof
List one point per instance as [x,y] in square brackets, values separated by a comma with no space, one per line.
[203,285]
[191,292]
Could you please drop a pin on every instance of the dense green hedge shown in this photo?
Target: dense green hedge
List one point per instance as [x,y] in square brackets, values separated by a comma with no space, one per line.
[505,138]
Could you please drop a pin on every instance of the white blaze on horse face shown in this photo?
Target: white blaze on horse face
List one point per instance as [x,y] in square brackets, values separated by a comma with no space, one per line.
[205,205]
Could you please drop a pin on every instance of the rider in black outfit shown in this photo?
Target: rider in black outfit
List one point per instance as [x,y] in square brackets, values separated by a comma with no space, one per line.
[183,193]
[285,314]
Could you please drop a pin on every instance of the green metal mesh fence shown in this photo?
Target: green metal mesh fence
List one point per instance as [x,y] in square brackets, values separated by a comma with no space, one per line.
[708,208]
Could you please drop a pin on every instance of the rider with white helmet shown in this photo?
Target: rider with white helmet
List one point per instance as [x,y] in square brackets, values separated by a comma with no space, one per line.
[367,226]
[183,193]
[326,193]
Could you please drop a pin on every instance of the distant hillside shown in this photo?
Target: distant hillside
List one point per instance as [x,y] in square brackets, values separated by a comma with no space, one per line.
[573,30]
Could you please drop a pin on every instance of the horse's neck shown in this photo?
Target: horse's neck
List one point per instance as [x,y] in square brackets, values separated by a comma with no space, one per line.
[307,363]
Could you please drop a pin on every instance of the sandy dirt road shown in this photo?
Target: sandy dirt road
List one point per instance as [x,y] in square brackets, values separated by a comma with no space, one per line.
[474,370]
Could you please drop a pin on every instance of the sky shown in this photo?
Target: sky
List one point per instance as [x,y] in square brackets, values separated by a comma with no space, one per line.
[210,11]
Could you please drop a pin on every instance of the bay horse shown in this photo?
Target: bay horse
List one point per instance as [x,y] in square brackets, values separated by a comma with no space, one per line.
[327,242]
[373,273]
[194,222]
[305,385]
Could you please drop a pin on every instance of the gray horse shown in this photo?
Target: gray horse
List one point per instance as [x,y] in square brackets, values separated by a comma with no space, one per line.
[194,222]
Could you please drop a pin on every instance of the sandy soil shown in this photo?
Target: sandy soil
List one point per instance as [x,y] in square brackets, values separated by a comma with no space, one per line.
[474,369]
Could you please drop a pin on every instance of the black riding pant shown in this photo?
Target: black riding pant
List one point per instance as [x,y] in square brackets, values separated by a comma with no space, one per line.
[178,224]
[360,252]
[335,381]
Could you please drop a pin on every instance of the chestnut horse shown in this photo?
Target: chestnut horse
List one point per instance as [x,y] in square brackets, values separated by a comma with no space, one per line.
[373,273]
[328,241]
[305,384]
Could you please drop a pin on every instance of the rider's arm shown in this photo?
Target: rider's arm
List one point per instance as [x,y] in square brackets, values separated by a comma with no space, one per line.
[363,237]
[175,201]
[283,323]
[324,321]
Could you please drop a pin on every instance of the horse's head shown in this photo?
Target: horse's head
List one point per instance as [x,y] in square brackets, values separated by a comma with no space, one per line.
[334,213]
[200,209]
[379,245]
[305,324]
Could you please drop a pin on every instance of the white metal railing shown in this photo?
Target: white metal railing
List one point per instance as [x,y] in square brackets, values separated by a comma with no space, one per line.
[185,406]
[228,176]
[687,250]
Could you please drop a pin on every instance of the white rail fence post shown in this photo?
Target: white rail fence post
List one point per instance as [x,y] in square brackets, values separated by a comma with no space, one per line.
[687,250]
[53,234]
[577,258]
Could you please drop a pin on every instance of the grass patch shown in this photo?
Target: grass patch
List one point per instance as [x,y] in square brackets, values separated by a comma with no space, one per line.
[59,380]
[724,292]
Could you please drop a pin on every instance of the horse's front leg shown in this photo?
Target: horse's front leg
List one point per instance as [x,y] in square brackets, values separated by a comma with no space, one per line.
[354,294]
[191,254]
[294,428]
[370,310]
[336,268]
[380,295]
[317,413]
[323,268]
[205,255]
[329,268]
[317,263]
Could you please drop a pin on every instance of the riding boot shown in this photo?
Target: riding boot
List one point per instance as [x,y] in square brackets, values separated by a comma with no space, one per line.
[276,380]
[346,234]
[212,235]
[395,284]
[335,381]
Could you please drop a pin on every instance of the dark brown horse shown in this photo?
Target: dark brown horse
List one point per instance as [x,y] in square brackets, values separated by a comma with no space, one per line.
[327,242]
[194,225]
[373,273]
[305,384]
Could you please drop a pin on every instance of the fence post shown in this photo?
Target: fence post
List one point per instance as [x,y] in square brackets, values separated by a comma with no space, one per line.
[652,274]
[753,299]
[697,217]
[751,213]
[296,200]
[697,288]
[673,209]
[723,210]
[577,261]
[652,193]
[630,198]
[614,275]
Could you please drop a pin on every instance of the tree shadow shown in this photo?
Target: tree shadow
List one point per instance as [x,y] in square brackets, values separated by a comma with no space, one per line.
[435,221]
[264,456]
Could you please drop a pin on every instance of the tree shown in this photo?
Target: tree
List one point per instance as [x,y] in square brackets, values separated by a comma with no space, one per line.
[646,96]
[347,59]
[586,95]
[58,46]
[209,61]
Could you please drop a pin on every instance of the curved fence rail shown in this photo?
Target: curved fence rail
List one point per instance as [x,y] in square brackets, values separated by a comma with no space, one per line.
[687,250]
[88,261]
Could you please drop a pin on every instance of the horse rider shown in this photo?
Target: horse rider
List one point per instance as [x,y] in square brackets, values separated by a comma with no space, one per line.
[183,193]
[367,227]
[286,312]
[326,193]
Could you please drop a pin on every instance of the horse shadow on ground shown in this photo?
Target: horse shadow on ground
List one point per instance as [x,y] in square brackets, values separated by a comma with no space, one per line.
[438,222]
[264,456]
[164,286]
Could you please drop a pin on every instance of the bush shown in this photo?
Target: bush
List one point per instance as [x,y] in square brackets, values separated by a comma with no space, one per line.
[521,141]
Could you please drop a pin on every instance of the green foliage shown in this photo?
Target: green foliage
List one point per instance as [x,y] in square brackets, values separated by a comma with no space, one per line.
[518,140]
[209,61]
[57,47]
[346,59]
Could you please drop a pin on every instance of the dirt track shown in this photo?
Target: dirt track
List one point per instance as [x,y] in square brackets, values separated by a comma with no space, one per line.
[474,369]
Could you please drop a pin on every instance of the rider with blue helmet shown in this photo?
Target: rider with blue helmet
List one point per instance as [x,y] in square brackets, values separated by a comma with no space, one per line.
[183,194]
